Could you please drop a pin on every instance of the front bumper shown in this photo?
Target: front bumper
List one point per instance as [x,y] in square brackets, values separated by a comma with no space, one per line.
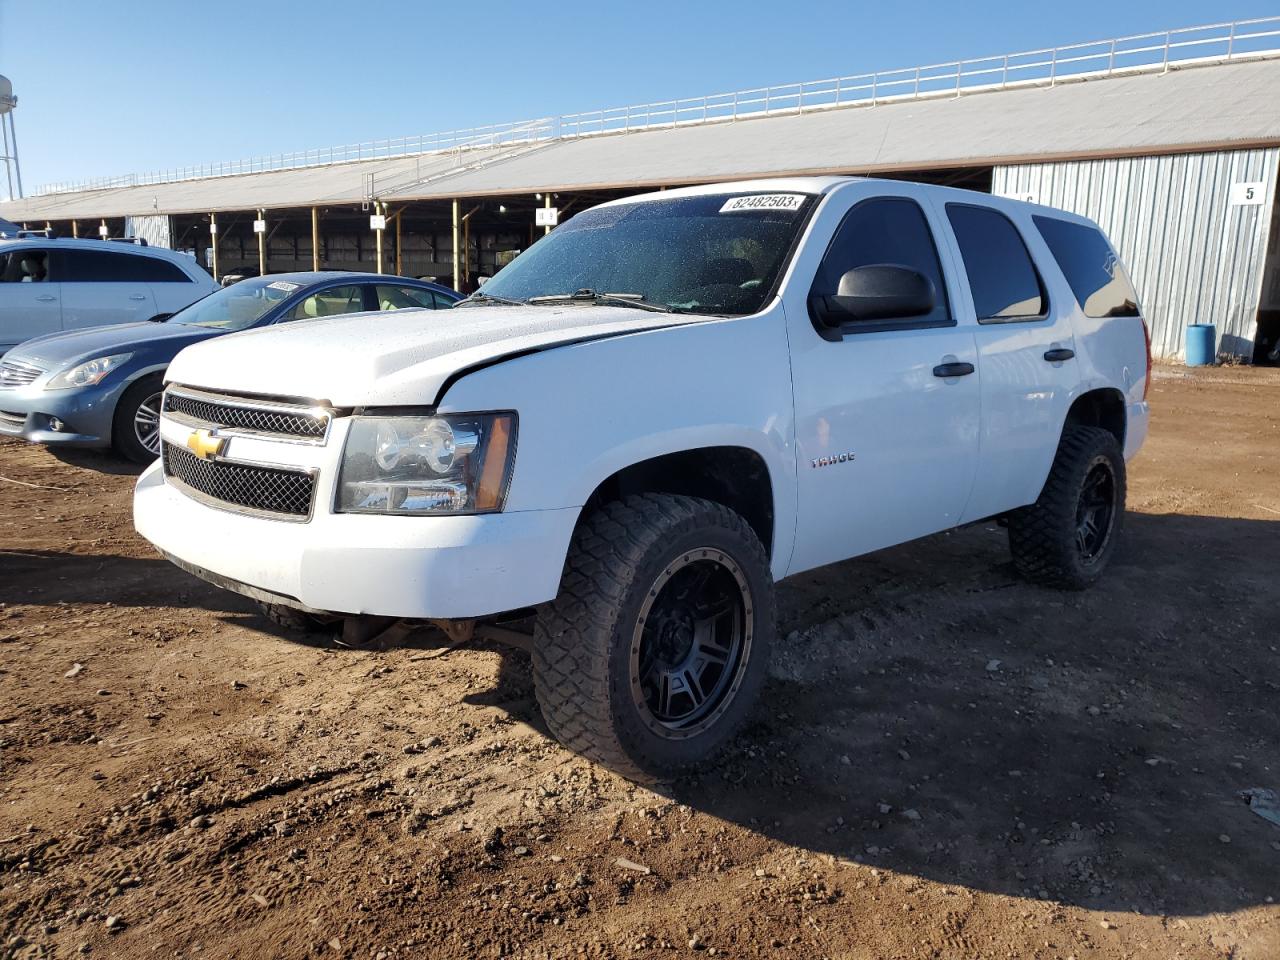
[86,415]
[418,567]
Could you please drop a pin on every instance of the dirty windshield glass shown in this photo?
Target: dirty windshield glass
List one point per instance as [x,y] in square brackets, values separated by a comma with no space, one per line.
[716,254]
[238,306]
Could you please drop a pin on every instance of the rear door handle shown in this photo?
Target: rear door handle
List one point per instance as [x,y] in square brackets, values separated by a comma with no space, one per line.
[137,296]
[953,370]
[46,298]
[1058,354]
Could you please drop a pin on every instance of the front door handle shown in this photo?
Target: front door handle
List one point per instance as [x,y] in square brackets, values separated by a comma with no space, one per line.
[137,296]
[46,298]
[1058,354]
[953,370]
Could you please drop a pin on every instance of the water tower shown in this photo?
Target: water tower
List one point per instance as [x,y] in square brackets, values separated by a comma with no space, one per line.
[9,138]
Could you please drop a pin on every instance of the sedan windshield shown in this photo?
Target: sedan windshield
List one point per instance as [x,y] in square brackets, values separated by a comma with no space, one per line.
[237,307]
[717,254]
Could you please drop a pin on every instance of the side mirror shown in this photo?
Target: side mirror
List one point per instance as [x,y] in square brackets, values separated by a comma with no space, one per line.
[878,291]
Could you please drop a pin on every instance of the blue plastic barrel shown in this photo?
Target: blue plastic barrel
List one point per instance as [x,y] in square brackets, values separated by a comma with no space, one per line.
[1201,342]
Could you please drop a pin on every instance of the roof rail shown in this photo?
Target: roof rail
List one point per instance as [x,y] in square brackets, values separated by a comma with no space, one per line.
[140,241]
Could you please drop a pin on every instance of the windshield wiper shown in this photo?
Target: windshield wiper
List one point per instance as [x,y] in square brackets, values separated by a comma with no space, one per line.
[587,295]
[481,297]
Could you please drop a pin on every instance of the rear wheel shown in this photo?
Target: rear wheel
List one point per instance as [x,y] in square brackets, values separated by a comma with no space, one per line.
[652,655]
[1066,538]
[136,428]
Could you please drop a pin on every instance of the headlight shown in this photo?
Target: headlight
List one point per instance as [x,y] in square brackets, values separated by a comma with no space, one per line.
[88,373]
[427,465]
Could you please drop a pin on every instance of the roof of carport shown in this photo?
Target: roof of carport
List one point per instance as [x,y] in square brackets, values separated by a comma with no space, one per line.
[1193,108]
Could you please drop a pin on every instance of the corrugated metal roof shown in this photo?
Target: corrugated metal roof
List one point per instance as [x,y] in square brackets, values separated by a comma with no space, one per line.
[1186,109]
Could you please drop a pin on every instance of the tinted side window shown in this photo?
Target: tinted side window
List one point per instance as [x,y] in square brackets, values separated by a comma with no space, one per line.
[102,266]
[1092,269]
[884,230]
[155,270]
[443,302]
[1003,279]
[24,266]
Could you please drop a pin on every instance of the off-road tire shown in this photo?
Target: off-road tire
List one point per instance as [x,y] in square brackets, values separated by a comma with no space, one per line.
[582,639]
[123,438]
[1042,536]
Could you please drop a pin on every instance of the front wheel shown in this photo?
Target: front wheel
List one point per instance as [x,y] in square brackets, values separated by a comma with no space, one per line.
[652,655]
[136,428]
[1066,538]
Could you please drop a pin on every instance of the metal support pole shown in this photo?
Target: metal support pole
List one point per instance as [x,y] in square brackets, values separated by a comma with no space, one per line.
[546,202]
[377,211]
[466,249]
[13,143]
[213,242]
[315,238]
[457,267]
[399,256]
[75,229]
[8,161]
[262,247]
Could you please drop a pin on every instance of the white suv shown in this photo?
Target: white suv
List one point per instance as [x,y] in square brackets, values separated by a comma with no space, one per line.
[654,414]
[49,285]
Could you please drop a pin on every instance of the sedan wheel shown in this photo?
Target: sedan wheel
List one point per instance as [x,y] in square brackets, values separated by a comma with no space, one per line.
[146,423]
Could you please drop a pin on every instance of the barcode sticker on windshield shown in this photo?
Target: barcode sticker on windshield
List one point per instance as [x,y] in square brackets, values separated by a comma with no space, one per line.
[763,201]
[284,285]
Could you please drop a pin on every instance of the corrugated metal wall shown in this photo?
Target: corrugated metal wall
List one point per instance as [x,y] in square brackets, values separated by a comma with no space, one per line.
[1192,256]
[156,230]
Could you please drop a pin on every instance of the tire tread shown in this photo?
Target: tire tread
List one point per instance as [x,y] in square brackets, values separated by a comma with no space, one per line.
[1041,535]
[571,648]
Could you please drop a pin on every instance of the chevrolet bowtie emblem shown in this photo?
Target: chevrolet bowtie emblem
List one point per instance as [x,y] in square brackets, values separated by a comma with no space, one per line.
[205,445]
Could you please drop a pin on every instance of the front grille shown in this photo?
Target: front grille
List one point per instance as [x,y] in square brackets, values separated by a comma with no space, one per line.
[233,413]
[267,489]
[15,373]
[12,419]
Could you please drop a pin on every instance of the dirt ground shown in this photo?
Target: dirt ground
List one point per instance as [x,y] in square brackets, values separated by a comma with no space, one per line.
[948,762]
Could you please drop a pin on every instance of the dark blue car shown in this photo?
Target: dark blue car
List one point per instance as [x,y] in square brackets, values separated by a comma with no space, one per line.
[100,387]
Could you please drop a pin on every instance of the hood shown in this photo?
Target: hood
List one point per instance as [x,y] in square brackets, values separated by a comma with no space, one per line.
[401,357]
[58,349]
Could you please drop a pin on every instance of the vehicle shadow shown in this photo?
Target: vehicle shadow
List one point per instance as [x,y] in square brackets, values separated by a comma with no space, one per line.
[51,577]
[99,461]
[929,714]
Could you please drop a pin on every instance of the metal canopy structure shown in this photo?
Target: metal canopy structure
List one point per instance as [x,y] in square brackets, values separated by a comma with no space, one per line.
[1183,109]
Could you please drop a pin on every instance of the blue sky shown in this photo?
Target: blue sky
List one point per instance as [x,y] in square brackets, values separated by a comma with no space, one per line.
[115,86]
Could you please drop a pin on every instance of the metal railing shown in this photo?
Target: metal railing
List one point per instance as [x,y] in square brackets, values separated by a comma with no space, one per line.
[1142,53]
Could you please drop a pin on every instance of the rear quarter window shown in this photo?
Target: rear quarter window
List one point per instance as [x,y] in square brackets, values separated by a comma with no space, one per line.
[1092,269]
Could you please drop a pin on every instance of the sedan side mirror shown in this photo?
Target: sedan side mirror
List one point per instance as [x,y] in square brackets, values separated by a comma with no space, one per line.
[878,291]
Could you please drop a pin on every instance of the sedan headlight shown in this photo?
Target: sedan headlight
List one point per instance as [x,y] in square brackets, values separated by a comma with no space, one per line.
[427,465]
[88,373]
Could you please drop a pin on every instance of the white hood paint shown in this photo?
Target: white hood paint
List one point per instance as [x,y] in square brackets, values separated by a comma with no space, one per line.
[395,358]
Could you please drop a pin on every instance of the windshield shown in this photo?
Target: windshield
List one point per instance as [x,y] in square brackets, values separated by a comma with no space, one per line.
[718,254]
[237,307]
